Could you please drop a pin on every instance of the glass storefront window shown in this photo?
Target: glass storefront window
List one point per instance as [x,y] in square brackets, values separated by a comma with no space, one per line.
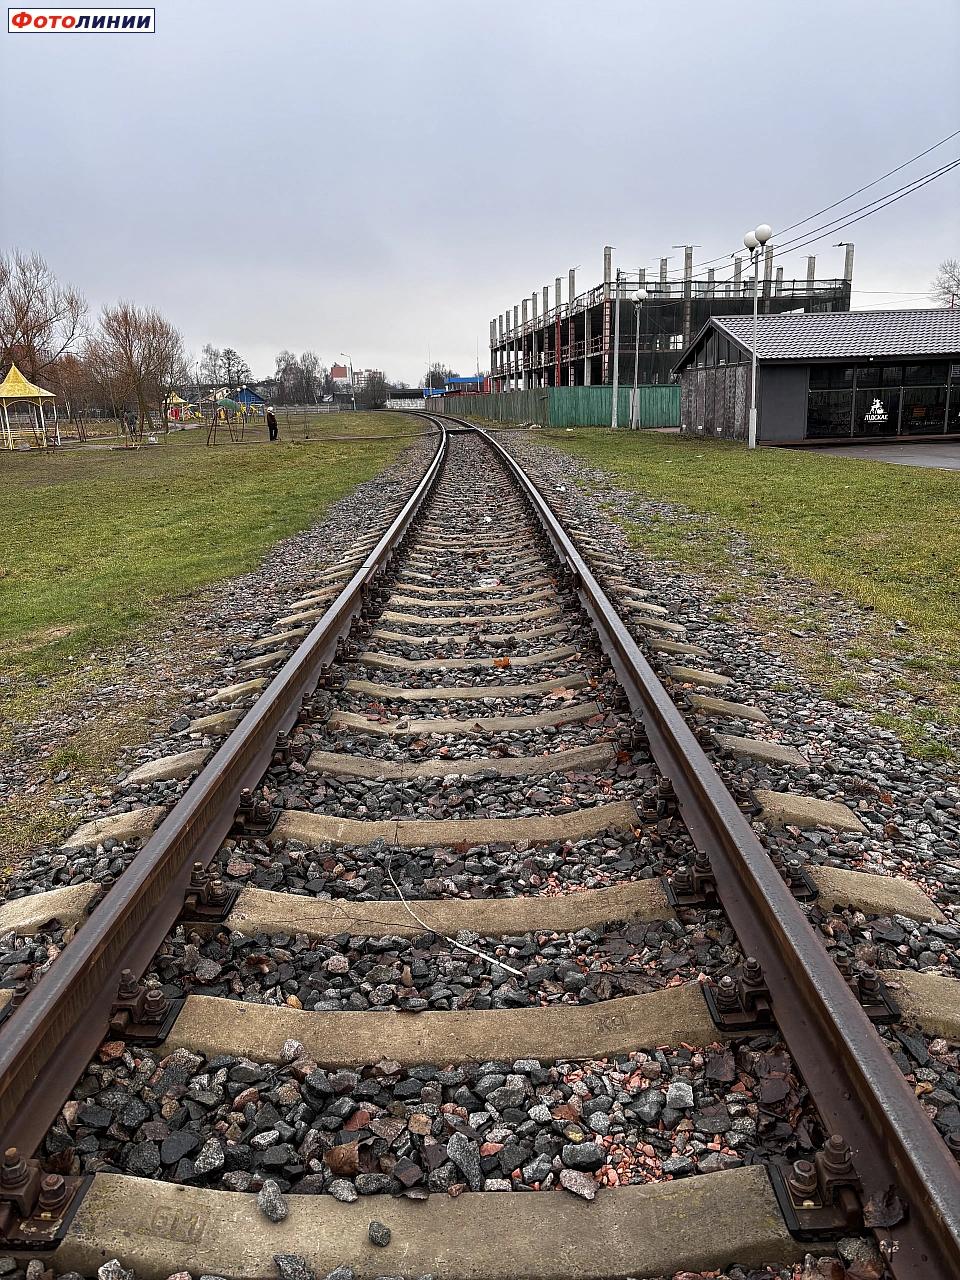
[828,413]
[926,375]
[923,410]
[876,412]
[886,400]
[831,377]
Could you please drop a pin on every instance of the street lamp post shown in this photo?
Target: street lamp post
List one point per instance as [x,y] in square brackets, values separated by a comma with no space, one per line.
[639,297]
[353,391]
[754,241]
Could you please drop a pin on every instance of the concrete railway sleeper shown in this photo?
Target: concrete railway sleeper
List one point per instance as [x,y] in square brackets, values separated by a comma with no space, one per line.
[410,934]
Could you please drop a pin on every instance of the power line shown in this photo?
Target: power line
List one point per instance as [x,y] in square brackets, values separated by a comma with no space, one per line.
[880,201]
[845,220]
[833,229]
[860,190]
[826,209]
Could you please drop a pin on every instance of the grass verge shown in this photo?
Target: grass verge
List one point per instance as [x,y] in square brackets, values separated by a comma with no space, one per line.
[99,543]
[97,539]
[886,537]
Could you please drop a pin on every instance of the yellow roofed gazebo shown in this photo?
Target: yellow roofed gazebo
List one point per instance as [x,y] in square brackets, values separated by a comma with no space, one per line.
[15,389]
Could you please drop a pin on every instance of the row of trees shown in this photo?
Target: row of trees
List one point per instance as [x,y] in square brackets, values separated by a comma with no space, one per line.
[130,358]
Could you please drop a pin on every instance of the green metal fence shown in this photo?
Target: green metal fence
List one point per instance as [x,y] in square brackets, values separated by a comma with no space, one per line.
[658,406]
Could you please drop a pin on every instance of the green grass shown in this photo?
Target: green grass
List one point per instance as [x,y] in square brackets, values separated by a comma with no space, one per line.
[97,541]
[886,537]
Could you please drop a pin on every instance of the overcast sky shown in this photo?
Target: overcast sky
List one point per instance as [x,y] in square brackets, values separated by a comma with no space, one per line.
[382,177]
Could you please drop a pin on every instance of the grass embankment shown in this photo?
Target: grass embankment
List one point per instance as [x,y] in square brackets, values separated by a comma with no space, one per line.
[96,540]
[887,537]
[99,543]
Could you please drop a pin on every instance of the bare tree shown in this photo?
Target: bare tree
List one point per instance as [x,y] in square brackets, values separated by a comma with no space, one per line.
[235,368]
[375,392]
[141,357]
[40,318]
[211,365]
[437,376]
[167,361]
[312,373]
[946,286]
[75,386]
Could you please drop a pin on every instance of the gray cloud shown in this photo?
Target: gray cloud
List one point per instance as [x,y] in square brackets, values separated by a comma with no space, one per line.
[382,177]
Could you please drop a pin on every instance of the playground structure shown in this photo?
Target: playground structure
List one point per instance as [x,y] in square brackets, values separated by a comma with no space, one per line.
[180,410]
[229,414]
[16,390]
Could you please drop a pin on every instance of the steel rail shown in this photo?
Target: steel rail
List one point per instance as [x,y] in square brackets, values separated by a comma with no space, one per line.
[46,1043]
[855,1083]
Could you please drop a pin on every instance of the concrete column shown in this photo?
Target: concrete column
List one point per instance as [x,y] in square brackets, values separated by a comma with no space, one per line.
[557,290]
[848,265]
[778,283]
[546,298]
[516,318]
[587,335]
[501,325]
[615,371]
[607,266]
[711,287]
[663,271]
[811,270]
[571,284]
[767,269]
[642,278]
[737,269]
[687,293]
[524,371]
[534,352]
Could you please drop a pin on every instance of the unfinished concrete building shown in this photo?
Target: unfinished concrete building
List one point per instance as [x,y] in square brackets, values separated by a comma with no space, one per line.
[572,343]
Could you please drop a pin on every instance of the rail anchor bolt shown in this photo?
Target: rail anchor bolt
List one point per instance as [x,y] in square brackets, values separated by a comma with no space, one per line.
[876,997]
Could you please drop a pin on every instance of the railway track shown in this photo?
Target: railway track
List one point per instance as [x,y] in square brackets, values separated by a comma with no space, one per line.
[460,905]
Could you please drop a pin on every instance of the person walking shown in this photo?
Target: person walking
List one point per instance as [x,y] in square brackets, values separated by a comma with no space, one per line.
[272,427]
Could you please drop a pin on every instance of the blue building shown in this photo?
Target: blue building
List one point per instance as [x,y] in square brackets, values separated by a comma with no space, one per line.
[249,399]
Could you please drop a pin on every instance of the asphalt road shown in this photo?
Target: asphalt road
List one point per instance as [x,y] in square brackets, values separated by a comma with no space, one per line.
[944,455]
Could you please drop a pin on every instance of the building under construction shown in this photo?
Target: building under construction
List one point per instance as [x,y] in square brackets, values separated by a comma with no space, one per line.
[572,343]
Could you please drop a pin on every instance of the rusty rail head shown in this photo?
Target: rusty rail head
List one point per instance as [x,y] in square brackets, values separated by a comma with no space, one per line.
[47,1042]
[856,1085]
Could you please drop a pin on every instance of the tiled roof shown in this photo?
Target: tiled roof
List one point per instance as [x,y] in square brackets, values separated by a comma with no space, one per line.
[848,335]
